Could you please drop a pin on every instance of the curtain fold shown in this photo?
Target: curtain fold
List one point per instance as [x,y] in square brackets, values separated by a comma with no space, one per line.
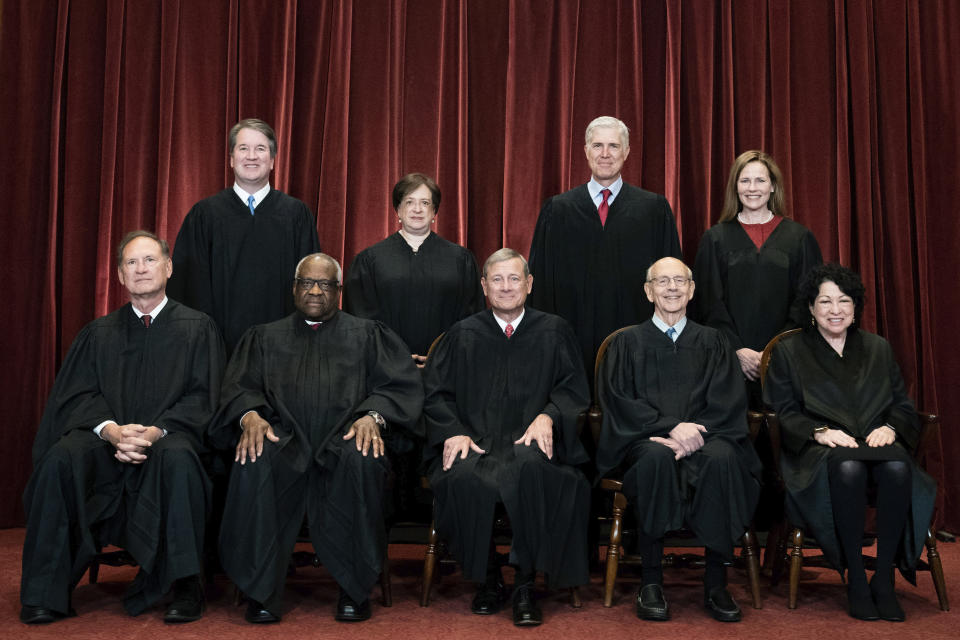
[117,113]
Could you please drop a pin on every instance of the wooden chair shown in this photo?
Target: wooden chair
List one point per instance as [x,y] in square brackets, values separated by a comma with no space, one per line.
[616,554]
[930,433]
[436,549]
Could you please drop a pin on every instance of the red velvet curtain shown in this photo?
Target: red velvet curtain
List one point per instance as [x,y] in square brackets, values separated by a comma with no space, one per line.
[115,114]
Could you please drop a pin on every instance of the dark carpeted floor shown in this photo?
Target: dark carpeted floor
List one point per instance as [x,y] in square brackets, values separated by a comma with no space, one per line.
[311,596]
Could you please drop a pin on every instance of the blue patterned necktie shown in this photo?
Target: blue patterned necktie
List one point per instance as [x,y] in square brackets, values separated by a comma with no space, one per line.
[672,334]
[250,204]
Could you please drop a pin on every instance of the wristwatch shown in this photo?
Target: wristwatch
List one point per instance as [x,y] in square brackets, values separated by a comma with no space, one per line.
[378,419]
[821,429]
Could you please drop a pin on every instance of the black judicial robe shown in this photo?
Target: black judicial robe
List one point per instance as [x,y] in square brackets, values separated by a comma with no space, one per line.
[592,275]
[808,384]
[647,385]
[748,293]
[481,384]
[311,386]
[239,268]
[168,376]
[418,294]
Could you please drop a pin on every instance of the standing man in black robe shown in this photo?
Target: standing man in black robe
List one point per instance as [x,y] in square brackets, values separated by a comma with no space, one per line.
[505,387]
[593,244]
[236,250]
[674,422]
[115,457]
[310,403]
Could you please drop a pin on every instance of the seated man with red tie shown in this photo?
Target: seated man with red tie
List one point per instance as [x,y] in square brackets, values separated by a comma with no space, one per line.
[504,389]
[115,456]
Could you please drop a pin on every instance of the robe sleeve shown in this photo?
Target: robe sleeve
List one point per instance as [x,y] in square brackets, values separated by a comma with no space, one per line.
[395,386]
[440,412]
[76,401]
[243,390]
[472,299]
[541,267]
[708,305]
[190,283]
[901,415]
[306,238]
[360,288]
[201,389]
[569,397]
[782,392]
[809,257]
[725,410]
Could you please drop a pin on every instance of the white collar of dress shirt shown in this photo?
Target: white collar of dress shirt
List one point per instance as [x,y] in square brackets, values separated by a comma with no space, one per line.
[156,310]
[503,323]
[257,197]
[663,326]
[595,188]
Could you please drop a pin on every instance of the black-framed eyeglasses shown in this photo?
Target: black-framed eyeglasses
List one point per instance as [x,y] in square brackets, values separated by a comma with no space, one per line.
[664,281]
[306,284]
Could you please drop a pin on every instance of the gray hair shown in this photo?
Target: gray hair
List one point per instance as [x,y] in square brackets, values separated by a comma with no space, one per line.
[609,122]
[319,256]
[502,255]
[687,269]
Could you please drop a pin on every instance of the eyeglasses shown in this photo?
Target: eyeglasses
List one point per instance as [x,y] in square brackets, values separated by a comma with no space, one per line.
[306,284]
[664,281]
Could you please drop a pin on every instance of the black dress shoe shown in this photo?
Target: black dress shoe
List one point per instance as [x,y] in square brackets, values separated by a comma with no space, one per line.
[488,599]
[885,598]
[860,603]
[651,605]
[30,614]
[257,614]
[721,605]
[187,604]
[349,611]
[526,613]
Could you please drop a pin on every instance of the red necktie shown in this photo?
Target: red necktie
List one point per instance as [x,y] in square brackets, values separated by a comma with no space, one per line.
[508,330]
[146,320]
[604,207]
[315,327]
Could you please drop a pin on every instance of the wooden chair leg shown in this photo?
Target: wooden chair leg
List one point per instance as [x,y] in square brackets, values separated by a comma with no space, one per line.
[796,564]
[752,556]
[575,597]
[936,570]
[429,564]
[613,549]
[386,590]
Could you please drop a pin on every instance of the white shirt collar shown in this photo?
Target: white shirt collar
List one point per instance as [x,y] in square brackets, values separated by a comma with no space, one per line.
[595,188]
[153,314]
[503,323]
[257,197]
[663,326]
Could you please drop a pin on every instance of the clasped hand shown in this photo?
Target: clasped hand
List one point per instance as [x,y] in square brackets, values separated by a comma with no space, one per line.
[131,441]
[684,439]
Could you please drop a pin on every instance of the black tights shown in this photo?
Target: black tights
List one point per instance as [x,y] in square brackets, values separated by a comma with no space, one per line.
[848,493]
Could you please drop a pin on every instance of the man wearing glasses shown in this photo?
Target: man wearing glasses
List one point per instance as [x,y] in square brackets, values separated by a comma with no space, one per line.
[674,422]
[309,405]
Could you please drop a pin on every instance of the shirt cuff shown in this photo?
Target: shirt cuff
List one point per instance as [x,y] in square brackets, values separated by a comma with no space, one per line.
[97,429]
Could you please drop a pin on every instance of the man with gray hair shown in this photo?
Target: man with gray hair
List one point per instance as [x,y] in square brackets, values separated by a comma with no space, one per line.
[504,389]
[309,406]
[593,244]
[236,250]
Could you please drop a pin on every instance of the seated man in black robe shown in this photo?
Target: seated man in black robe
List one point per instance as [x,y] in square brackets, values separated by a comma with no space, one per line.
[674,423]
[307,403]
[504,389]
[115,457]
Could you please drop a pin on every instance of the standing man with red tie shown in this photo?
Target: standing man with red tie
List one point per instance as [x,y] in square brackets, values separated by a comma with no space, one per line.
[593,244]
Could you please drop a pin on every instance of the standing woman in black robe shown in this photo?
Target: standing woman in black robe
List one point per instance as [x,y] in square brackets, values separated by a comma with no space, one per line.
[846,418]
[418,284]
[749,264]
[415,282]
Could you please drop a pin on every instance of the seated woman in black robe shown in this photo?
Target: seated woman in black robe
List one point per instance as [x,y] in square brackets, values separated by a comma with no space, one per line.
[418,284]
[846,419]
[749,264]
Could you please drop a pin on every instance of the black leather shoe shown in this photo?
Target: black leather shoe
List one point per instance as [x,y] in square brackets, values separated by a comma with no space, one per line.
[257,614]
[187,604]
[526,613]
[885,598]
[721,605]
[860,604]
[651,605]
[30,614]
[349,611]
[488,599]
